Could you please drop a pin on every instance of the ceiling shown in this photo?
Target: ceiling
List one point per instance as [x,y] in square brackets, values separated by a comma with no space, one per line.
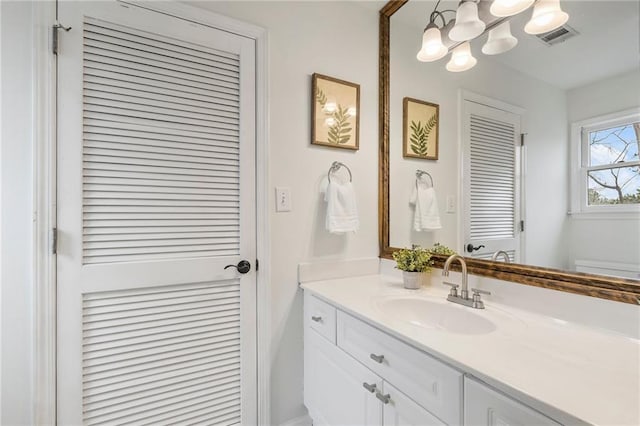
[608,42]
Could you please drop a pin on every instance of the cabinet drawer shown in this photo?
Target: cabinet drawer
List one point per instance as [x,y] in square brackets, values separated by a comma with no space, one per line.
[432,384]
[320,316]
[485,407]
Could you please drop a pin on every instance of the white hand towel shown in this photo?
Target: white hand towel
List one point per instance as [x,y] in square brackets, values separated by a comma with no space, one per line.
[342,214]
[426,216]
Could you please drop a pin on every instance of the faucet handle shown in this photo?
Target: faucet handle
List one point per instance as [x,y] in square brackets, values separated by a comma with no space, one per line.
[477,291]
[454,288]
[476,301]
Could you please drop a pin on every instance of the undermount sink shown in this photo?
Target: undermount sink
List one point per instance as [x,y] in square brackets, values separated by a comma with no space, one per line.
[434,315]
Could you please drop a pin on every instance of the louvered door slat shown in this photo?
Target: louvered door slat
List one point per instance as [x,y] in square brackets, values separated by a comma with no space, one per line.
[104,53]
[100,81]
[107,90]
[171,49]
[141,106]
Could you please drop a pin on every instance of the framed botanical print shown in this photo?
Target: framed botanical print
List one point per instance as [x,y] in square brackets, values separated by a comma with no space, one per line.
[335,112]
[420,129]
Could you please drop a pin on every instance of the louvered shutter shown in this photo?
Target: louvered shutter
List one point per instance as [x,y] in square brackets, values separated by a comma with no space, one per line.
[491,197]
[153,330]
[160,148]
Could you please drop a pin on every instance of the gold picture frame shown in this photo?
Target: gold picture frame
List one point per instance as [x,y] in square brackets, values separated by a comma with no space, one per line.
[420,123]
[335,113]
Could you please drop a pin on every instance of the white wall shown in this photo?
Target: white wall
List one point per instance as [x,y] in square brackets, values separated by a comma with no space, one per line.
[16,225]
[338,39]
[598,239]
[547,151]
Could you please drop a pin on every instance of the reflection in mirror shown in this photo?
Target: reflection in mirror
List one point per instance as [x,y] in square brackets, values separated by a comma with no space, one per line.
[577,103]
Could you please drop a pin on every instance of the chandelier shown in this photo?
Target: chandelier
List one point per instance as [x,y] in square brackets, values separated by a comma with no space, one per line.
[547,16]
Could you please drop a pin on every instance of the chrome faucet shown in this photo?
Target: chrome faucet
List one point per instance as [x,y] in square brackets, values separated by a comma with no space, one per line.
[502,253]
[463,298]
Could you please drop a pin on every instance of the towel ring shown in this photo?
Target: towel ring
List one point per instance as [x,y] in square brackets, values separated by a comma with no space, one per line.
[420,173]
[335,166]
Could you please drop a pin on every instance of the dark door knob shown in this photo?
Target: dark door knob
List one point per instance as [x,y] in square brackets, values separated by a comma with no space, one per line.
[243,266]
[471,248]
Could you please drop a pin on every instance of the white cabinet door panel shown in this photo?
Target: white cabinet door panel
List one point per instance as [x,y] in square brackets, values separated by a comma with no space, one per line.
[333,386]
[485,407]
[403,411]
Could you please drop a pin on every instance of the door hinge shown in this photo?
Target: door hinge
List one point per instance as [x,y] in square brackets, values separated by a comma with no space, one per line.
[54,36]
[257,265]
[522,226]
[54,240]
[522,139]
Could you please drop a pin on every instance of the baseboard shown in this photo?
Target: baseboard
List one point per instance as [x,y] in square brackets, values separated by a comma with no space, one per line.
[299,421]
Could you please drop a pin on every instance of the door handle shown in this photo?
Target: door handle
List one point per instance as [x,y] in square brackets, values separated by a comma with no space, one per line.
[377,358]
[384,398]
[471,248]
[243,266]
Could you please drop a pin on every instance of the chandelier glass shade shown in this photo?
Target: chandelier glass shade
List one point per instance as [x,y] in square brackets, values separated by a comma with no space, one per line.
[467,25]
[461,58]
[502,8]
[547,16]
[500,40]
[432,48]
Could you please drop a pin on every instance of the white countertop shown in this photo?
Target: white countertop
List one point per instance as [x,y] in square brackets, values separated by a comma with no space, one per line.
[574,373]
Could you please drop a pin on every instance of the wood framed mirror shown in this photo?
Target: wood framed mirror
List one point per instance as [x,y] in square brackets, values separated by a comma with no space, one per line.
[606,287]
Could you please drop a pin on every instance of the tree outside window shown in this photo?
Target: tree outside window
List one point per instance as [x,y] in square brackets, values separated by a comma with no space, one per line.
[613,169]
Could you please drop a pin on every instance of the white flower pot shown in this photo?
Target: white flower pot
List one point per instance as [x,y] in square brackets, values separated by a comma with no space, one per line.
[412,280]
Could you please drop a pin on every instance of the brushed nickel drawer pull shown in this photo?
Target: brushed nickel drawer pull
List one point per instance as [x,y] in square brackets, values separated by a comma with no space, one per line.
[370,388]
[384,398]
[317,319]
[377,358]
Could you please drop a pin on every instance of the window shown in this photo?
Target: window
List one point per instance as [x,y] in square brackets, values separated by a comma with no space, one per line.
[609,166]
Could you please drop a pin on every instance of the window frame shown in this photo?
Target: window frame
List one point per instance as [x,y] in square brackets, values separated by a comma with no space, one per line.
[580,167]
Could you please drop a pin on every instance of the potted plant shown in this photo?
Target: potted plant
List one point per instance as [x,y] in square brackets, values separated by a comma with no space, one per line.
[416,263]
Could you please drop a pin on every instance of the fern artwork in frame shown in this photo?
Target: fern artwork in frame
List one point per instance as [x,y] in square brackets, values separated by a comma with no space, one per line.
[420,129]
[335,112]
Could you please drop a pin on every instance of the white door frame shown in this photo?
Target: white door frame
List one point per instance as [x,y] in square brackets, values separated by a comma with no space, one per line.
[467,95]
[44,100]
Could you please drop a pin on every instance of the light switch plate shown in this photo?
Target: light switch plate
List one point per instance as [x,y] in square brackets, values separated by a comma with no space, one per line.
[451,204]
[283,199]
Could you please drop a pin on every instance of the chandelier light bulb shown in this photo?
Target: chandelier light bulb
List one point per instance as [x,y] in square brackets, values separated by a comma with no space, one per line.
[501,8]
[547,16]
[432,47]
[500,40]
[461,58]
[467,25]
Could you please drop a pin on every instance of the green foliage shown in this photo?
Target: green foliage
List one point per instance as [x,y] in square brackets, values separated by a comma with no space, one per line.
[321,97]
[413,260]
[418,259]
[420,135]
[440,249]
[340,131]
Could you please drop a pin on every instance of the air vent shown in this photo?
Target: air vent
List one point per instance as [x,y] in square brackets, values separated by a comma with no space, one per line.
[557,36]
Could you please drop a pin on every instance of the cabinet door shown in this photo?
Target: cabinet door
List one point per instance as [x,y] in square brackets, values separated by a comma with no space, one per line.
[485,407]
[333,386]
[399,410]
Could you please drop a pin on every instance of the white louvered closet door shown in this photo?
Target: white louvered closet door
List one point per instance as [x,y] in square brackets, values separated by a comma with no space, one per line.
[156,195]
[492,180]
